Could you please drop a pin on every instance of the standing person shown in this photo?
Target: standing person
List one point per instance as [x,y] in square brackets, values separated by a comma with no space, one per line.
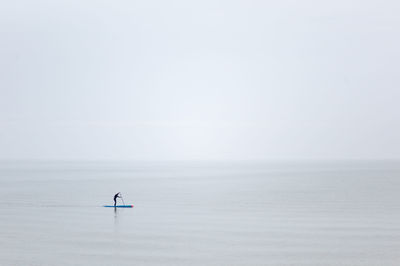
[115,198]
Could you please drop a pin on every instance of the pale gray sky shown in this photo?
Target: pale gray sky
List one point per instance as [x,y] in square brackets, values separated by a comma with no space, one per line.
[199,79]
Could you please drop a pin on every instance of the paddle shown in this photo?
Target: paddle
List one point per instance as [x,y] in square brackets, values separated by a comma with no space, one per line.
[122,198]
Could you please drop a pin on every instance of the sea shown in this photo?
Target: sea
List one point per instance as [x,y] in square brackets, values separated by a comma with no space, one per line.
[280,213]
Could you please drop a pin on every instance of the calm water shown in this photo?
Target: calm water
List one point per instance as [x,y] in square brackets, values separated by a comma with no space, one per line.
[200,213]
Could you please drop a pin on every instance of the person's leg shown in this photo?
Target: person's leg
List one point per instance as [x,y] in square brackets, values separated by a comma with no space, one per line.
[115,202]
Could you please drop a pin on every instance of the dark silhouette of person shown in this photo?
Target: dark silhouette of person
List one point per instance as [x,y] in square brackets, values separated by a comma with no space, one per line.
[115,198]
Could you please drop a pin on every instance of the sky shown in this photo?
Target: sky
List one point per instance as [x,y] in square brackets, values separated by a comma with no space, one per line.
[199,80]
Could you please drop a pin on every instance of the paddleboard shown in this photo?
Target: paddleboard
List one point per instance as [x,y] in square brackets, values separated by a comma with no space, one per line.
[119,206]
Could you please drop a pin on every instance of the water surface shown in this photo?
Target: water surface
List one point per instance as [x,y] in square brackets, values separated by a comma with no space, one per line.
[200,213]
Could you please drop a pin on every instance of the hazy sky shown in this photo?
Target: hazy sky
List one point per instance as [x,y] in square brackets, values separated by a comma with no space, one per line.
[199,79]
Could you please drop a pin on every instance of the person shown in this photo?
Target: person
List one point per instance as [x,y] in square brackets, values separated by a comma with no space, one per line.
[115,198]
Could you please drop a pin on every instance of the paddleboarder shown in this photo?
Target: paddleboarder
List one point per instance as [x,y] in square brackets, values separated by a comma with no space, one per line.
[115,198]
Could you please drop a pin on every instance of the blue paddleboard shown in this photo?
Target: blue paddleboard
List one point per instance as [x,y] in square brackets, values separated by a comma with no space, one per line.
[119,206]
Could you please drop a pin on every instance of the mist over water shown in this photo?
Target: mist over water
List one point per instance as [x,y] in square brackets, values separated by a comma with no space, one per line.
[199,80]
[90,88]
[200,213]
